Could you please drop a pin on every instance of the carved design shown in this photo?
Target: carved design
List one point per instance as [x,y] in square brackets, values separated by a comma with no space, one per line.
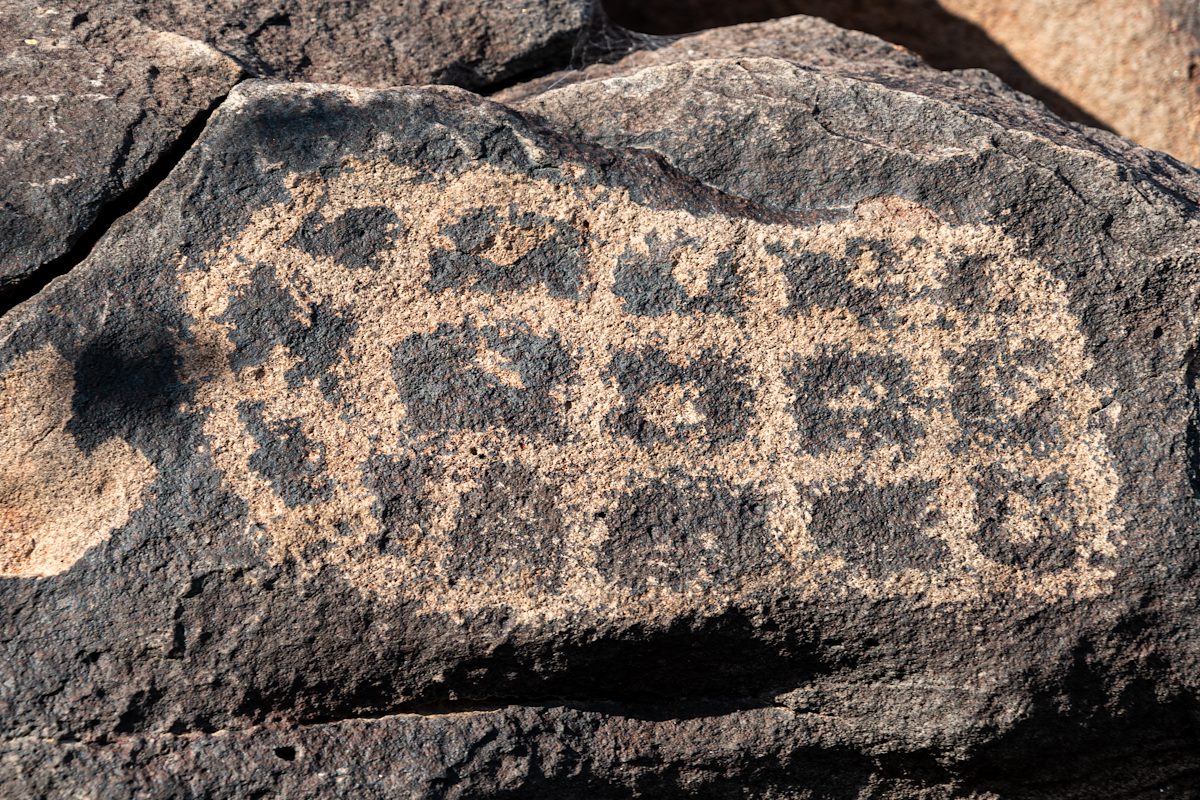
[548,395]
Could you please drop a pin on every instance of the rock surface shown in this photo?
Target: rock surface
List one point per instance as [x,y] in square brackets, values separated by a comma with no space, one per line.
[1130,65]
[375,43]
[721,426]
[100,97]
[810,41]
[89,106]
[1133,65]
[758,752]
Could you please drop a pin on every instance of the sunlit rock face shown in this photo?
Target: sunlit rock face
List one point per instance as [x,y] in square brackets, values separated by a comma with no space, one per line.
[698,424]
[491,387]
[1126,65]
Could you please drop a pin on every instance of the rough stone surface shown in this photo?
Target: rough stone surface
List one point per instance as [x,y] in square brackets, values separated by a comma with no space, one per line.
[88,105]
[813,43]
[1130,65]
[806,40]
[725,426]
[98,96]
[712,752]
[375,43]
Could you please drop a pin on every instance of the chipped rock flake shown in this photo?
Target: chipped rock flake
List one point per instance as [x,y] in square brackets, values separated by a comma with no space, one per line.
[56,501]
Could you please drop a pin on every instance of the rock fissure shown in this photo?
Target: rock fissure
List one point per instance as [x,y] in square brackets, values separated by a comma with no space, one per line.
[20,290]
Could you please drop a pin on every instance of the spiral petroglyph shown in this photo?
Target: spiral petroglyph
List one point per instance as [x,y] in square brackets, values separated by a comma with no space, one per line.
[528,373]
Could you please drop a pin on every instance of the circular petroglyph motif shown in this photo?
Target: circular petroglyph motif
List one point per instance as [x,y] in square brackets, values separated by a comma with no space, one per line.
[490,388]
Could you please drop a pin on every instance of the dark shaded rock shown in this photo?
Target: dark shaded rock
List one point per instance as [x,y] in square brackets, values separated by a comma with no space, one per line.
[90,105]
[101,98]
[708,751]
[375,43]
[717,525]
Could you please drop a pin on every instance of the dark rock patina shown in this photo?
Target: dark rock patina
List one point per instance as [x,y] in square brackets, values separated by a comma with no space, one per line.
[100,98]
[399,433]
[89,105]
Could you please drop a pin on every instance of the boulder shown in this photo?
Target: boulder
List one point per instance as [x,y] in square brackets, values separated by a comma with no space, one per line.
[810,43]
[91,106]
[381,44]
[102,98]
[1127,65]
[723,426]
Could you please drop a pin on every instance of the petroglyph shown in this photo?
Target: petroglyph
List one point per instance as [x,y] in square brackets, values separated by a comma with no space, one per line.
[57,501]
[544,394]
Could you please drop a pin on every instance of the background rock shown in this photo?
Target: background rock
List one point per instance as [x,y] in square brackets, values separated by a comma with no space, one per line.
[806,40]
[90,106]
[372,43]
[102,98]
[1130,66]
[813,43]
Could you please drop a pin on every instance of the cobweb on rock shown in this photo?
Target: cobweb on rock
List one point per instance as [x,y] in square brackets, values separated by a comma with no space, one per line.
[602,41]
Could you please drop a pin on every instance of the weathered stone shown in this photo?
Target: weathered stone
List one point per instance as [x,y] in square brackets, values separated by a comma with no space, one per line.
[98,96]
[594,110]
[853,431]
[806,40]
[373,43]
[90,103]
[809,43]
[685,751]
[1133,66]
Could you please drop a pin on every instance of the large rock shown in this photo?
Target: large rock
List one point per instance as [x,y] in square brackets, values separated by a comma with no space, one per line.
[100,98]
[810,43]
[853,431]
[378,43]
[617,104]
[91,104]
[1126,64]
